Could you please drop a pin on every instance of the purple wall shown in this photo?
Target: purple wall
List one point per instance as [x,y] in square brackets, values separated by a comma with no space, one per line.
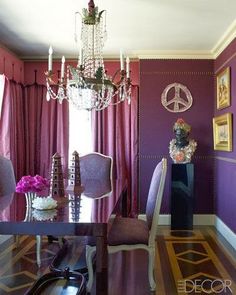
[156,124]
[225,162]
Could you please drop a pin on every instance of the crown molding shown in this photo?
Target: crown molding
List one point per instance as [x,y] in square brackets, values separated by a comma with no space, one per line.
[228,36]
[111,58]
[175,54]
[133,57]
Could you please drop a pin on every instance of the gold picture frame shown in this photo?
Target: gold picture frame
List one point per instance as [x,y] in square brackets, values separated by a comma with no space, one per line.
[222,132]
[223,89]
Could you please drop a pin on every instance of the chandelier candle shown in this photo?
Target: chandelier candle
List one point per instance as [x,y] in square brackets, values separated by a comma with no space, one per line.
[127,67]
[121,61]
[62,68]
[50,51]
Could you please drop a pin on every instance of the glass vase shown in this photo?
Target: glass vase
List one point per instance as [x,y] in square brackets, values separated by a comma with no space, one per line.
[30,196]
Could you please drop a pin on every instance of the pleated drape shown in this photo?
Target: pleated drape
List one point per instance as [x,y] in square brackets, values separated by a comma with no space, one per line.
[115,133]
[32,129]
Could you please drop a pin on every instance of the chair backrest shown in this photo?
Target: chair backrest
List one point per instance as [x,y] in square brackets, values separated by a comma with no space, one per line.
[155,197]
[95,166]
[7,177]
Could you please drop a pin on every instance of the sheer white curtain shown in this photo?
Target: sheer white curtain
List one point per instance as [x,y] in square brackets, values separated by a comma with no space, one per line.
[2,79]
[80,136]
[3,238]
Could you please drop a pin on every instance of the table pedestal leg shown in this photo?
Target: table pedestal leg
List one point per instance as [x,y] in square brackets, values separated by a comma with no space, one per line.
[101,266]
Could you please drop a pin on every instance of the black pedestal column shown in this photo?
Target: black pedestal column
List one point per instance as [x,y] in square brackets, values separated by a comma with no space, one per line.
[182,199]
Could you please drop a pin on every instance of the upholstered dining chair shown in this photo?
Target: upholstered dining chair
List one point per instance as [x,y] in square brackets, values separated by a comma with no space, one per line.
[95,166]
[7,177]
[7,187]
[133,233]
[7,183]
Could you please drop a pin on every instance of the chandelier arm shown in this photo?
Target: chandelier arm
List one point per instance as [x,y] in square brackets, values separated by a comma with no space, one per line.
[115,74]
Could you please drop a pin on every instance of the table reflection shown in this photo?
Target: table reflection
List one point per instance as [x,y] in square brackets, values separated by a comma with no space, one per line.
[94,203]
[42,215]
[81,205]
[5,202]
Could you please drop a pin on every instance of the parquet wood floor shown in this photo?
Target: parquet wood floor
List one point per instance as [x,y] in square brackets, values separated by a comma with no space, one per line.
[187,262]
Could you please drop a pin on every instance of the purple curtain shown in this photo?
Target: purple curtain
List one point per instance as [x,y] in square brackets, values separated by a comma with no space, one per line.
[47,128]
[54,134]
[32,129]
[33,100]
[115,133]
[12,126]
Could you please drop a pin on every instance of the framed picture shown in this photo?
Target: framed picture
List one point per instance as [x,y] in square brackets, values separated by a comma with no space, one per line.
[222,132]
[223,89]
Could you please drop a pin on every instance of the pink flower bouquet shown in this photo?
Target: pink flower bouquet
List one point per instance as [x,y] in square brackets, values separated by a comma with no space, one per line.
[32,184]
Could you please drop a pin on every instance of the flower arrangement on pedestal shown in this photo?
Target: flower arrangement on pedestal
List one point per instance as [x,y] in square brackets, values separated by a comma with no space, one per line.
[31,186]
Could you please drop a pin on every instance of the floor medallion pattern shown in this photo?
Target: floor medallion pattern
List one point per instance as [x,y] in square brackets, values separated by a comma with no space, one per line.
[187,262]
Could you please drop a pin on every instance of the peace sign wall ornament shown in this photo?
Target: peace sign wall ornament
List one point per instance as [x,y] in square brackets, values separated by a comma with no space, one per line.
[181,101]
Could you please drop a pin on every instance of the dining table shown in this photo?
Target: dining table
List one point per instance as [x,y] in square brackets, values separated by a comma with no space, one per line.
[87,212]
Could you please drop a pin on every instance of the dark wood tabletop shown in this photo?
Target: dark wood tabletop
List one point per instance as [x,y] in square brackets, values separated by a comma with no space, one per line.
[87,213]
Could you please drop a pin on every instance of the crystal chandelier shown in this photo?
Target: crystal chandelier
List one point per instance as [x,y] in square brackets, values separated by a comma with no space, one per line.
[87,86]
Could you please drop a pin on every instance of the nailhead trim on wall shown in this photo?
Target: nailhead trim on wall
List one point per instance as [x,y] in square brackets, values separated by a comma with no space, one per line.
[179,73]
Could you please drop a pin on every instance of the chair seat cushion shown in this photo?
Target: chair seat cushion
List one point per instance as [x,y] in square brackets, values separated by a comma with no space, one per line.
[128,231]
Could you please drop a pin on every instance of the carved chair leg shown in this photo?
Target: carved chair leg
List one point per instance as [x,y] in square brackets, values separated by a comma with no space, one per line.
[38,249]
[90,252]
[151,260]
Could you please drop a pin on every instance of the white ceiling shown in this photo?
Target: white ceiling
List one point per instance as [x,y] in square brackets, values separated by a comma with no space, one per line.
[140,27]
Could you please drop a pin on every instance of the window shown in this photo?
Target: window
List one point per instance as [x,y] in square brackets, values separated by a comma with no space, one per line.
[80,131]
[1,92]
